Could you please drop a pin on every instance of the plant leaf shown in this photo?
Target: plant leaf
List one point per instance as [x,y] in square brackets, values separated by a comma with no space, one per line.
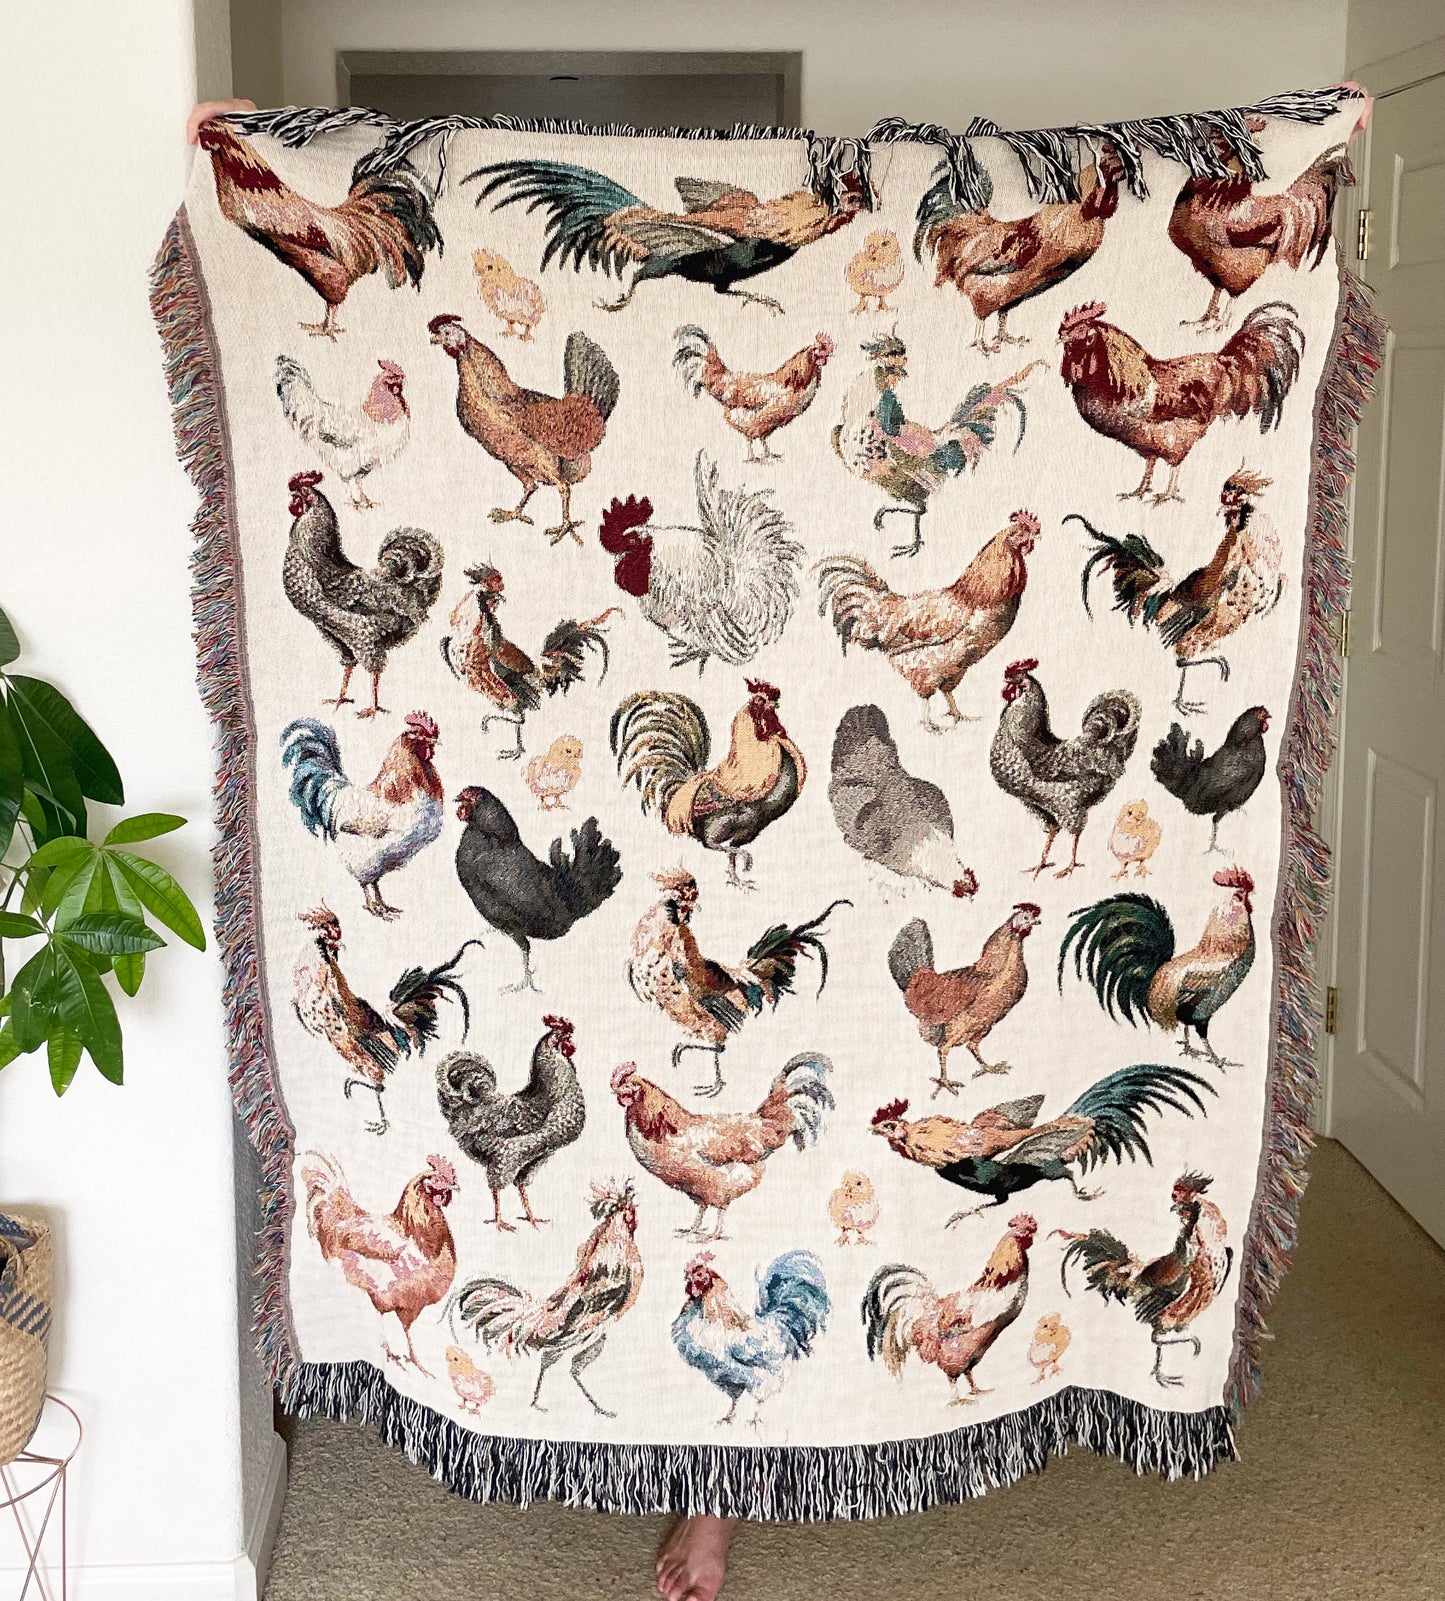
[12,776]
[84,1005]
[31,1000]
[93,766]
[13,925]
[9,644]
[109,934]
[49,777]
[9,1050]
[65,894]
[56,852]
[62,1050]
[129,971]
[162,896]
[145,825]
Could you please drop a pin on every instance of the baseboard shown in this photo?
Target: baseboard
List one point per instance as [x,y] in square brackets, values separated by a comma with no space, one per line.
[243,1579]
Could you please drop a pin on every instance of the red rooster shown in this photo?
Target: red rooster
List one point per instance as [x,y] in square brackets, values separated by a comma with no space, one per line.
[1161,409]
[384,224]
[903,1312]
[755,404]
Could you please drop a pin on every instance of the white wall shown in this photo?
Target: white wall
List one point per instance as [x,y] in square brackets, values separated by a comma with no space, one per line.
[93,570]
[1380,28]
[1028,63]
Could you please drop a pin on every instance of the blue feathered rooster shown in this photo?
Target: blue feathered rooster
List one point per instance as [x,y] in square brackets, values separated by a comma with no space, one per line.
[749,1355]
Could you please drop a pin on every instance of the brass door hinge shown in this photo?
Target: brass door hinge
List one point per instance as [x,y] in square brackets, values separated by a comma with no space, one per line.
[1332,1009]
[1362,238]
[1345,633]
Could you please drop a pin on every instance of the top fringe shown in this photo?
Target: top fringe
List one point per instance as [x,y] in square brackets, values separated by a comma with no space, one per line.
[1204,142]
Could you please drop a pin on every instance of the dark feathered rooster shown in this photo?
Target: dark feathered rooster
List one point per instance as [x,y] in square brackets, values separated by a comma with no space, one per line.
[1170,1292]
[484,659]
[724,235]
[384,224]
[1162,408]
[1125,947]
[1004,1150]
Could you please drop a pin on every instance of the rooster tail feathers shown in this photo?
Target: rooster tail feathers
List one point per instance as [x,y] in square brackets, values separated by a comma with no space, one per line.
[1176,762]
[494,1310]
[846,584]
[402,195]
[1136,566]
[310,750]
[417,993]
[564,653]
[1119,944]
[773,957]
[464,1080]
[1263,360]
[593,871]
[793,1295]
[939,205]
[804,1082]
[586,370]
[660,740]
[1105,1260]
[1116,1106]
[412,557]
[290,374]
[911,952]
[694,350]
[895,1298]
[579,204]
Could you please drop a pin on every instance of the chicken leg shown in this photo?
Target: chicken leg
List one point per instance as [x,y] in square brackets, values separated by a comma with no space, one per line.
[511,722]
[536,1222]
[715,1088]
[528,980]
[518,514]
[342,698]
[568,525]
[327,328]
[1187,707]
[1044,860]
[1150,462]
[497,1221]
[584,1359]
[1170,491]
[372,900]
[1213,318]
[738,854]
[410,1359]
[973,1391]
[916,513]
[1169,1380]
[943,1081]
[350,1084]
[376,709]
[1073,861]
[750,299]
[987,1067]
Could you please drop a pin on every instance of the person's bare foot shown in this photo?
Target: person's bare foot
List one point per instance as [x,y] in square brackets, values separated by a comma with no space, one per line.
[692,1561]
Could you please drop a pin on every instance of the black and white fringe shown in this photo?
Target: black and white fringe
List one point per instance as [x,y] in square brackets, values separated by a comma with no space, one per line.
[806,1484]
[1203,142]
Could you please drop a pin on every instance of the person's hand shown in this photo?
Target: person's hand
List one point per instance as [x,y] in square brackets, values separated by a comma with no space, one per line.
[212,108]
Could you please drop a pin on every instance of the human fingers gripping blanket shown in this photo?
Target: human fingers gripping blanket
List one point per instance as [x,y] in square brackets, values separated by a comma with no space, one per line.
[771,692]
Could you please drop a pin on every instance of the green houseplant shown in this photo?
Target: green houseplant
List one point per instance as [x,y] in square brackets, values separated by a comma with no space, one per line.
[91,906]
[79,914]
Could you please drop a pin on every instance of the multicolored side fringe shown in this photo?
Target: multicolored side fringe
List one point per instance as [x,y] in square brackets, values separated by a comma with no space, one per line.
[198,408]
[796,1484]
[1306,753]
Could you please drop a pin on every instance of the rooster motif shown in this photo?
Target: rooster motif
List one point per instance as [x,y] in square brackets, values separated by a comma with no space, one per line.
[1243,579]
[1162,408]
[369,1043]
[575,1320]
[661,742]
[910,463]
[755,404]
[749,1354]
[724,236]
[1125,947]
[722,589]
[351,441]
[1170,1292]
[376,828]
[479,654]
[706,1000]
[384,224]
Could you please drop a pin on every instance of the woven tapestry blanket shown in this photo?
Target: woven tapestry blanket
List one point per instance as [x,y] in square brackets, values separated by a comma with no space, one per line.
[771,692]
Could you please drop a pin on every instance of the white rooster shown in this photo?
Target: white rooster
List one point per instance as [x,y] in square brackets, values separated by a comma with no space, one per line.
[724,588]
[350,441]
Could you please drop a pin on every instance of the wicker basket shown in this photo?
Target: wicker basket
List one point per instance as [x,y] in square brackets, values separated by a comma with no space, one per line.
[26,1287]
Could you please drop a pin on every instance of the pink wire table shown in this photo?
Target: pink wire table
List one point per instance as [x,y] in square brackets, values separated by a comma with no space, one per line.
[32,1487]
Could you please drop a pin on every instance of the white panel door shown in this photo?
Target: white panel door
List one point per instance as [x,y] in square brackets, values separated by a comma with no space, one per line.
[1389,1063]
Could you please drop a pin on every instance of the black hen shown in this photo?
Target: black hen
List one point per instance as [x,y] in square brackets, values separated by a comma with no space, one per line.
[1213,786]
[519,895]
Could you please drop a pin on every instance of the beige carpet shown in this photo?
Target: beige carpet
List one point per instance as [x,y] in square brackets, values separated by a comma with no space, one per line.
[1341,1492]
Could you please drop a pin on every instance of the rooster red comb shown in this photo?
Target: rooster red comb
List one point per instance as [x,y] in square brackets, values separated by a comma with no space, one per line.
[1017,669]
[1030,908]
[420,723]
[1234,878]
[622,1073]
[438,323]
[307,480]
[620,518]
[758,686]
[558,1025]
[1091,311]
[1025,519]
[890,1113]
[439,1167]
[390,368]
[1023,1223]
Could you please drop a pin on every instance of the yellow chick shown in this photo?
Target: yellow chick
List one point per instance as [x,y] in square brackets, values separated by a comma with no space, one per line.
[876,271]
[473,1385]
[853,1209]
[1135,838]
[1051,1339]
[517,301]
[553,777]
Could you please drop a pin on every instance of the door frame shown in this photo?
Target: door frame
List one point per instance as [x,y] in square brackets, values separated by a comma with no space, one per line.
[1388,76]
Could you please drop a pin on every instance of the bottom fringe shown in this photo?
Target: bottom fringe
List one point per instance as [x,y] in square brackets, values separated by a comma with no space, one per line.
[795,1484]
